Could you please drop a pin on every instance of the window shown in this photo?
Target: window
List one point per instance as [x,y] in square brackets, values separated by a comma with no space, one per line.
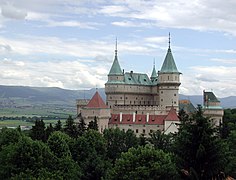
[129,79]
[161,92]
[168,77]
[174,94]
[145,80]
[120,97]
[136,130]
[110,97]
[143,131]
[175,102]
[161,100]
[151,130]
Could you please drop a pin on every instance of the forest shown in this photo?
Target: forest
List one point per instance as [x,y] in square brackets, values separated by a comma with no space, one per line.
[198,150]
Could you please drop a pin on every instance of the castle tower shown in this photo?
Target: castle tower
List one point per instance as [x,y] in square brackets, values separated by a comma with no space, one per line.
[169,82]
[154,75]
[115,78]
[212,108]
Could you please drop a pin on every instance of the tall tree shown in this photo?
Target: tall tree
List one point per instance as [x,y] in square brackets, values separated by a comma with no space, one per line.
[81,125]
[161,140]
[199,150]
[119,141]
[143,163]
[38,130]
[49,130]
[93,124]
[70,127]
[58,126]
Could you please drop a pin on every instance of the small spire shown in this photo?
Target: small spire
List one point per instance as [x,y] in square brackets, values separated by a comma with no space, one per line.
[116,48]
[169,40]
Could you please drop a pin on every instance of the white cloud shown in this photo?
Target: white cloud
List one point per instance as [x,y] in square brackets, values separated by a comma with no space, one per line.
[220,79]
[64,74]
[9,11]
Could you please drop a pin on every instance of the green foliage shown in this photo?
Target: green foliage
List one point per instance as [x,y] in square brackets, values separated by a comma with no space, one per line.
[90,153]
[58,143]
[38,131]
[8,136]
[81,125]
[58,126]
[143,163]
[198,148]
[70,127]
[161,141]
[119,141]
[93,124]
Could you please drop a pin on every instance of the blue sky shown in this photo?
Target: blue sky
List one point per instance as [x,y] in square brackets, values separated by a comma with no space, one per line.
[70,44]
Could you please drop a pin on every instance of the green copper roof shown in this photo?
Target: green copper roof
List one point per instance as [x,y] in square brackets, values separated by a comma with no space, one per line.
[137,79]
[154,73]
[115,68]
[210,97]
[169,64]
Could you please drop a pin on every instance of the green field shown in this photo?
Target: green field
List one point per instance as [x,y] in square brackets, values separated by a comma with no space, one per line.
[16,123]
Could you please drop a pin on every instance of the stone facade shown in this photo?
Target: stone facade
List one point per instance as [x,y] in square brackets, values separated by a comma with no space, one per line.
[141,103]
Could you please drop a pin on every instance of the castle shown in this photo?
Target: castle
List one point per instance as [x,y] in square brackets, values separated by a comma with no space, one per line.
[136,101]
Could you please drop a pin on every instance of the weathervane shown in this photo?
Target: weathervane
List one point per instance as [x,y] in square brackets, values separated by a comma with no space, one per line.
[116,48]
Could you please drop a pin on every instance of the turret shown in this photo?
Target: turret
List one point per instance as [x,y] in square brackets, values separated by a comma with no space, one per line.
[115,73]
[169,81]
[154,75]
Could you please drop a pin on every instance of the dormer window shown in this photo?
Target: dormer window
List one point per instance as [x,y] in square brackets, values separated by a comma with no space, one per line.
[129,79]
[145,80]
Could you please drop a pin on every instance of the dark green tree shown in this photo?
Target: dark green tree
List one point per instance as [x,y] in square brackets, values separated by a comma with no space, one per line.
[70,127]
[81,125]
[49,130]
[90,153]
[38,131]
[93,124]
[198,148]
[143,163]
[161,140]
[119,141]
[58,126]
[8,136]
[58,142]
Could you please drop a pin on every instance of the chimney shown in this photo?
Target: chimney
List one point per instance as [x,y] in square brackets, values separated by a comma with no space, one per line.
[133,116]
[147,117]
[120,116]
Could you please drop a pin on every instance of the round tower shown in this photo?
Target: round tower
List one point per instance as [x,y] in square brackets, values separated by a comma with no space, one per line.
[115,80]
[169,82]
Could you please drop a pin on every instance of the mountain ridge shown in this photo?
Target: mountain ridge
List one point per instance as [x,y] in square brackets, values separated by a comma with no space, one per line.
[56,95]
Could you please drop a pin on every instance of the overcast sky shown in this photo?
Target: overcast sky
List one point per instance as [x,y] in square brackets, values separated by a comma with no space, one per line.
[70,43]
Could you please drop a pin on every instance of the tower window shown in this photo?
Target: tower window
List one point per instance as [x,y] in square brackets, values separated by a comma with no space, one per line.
[136,130]
[161,100]
[174,94]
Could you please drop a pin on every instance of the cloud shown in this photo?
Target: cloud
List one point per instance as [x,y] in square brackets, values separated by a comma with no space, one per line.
[197,15]
[64,74]
[9,11]
[220,79]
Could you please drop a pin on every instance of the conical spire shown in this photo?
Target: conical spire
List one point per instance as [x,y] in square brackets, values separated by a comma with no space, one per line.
[154,73]
[115,68]
[169,63]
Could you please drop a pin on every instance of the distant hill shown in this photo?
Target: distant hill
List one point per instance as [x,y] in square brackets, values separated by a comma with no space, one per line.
[53,95]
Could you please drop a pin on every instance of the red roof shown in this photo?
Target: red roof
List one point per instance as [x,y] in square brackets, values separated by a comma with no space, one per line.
[172,116]
[139,119]
[96,102]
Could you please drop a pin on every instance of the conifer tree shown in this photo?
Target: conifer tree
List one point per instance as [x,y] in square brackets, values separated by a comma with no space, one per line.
[81,125]
[70,127]
[38,130]
[58,126]
[198,148]
[93,124]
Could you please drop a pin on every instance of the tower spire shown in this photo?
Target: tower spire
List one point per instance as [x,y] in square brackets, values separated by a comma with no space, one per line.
[169,40]
[116,48]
